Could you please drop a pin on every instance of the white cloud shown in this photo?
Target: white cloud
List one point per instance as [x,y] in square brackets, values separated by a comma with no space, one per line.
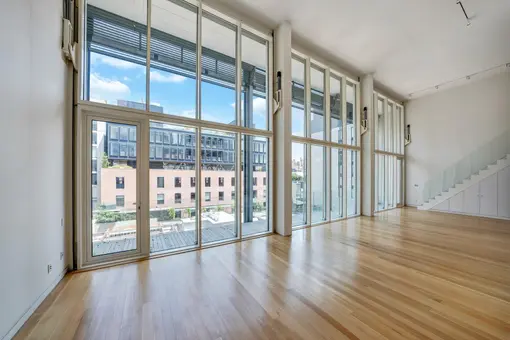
[161,78]
[117,63]
[259,106]
[105,89]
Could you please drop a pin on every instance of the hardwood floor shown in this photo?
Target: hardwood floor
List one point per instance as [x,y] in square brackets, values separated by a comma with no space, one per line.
[404,274]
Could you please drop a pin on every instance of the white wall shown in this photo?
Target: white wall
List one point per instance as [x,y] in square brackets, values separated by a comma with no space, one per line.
[449,125]
[33,117]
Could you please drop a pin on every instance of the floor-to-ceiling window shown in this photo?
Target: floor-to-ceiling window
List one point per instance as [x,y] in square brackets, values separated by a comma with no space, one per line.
[325,148]
[175,158]
[389,153]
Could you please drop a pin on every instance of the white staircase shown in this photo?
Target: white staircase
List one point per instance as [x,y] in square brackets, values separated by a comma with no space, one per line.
[491,170]
[490,164]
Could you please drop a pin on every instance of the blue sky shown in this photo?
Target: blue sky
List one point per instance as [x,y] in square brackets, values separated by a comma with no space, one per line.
[112,79]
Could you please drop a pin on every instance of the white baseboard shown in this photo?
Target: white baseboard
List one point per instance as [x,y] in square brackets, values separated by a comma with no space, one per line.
[12,332]
[471,215]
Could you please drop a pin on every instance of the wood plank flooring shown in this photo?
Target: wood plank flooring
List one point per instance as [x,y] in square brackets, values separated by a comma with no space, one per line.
[405,274]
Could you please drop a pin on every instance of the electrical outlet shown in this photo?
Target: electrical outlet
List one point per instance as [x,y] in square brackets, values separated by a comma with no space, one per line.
[61,255]
[50,268]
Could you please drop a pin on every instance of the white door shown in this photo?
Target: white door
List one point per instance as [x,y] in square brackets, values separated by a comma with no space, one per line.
[472,200]
[112,225]
[504,193]
[489,196]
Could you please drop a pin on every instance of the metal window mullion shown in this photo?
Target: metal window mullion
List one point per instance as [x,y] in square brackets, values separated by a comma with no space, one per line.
[327,182]
[148,58]
[238,188]
[198,104]
[198,185]
[238,74]
[357,114]
[327,150]
[344,111]
[308,99]
[144,180]
[345,172]
[308,183]
[269,85]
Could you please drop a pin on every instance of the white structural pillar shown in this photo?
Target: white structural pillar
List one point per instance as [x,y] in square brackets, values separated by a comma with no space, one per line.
[367,147]
[282,183]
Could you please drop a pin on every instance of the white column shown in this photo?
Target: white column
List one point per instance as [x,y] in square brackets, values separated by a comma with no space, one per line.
[367,147]
[282,146]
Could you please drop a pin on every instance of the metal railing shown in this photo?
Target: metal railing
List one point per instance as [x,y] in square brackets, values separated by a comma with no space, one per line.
[468,166]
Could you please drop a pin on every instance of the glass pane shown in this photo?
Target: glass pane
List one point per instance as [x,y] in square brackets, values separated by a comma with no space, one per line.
[255,179]
[218,207]
[115,53]
[218,70]
[390,176]
[317,122]
[380,128]
[399,179]
[318,184]
[380,182]
[254,111]
[298,97]
[337,183]
[389,128]
[298,184]
[114,207]
[350,94]
[352,182]
[173,58]
[335,90]
[172,200]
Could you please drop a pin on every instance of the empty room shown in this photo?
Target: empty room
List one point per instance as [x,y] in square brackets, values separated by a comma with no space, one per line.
[236,169]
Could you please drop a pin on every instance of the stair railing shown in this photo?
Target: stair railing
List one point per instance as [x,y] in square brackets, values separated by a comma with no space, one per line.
[468,166]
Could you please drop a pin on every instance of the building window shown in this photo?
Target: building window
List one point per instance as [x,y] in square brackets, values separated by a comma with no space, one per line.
[161,199]
[233,181]
[192,196]
[208,181]
[177,182]
[192,182]
[119,200]
[208,197]
[94,179]
[119,182]
[254,181]
[264,181]
[178,213]
[221,196]
[161,182]
[221,181]
[233,195]
[114,132]
[254,193]
[177,198]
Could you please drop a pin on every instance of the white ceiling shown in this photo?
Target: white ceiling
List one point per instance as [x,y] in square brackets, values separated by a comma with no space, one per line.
[409,45]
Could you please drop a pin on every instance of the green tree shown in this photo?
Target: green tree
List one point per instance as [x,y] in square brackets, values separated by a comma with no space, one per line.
[104,161]
[296,177]
[171,213]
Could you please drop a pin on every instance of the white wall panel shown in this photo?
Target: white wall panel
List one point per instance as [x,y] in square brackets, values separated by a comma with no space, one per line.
[457,203]
[472,200]
[489,196]
[504,193]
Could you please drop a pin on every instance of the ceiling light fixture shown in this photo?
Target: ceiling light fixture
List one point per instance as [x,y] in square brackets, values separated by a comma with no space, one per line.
[464,11]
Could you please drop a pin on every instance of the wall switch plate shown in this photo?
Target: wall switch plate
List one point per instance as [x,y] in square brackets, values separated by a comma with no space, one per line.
[62,222]
[50,268]
[61,255]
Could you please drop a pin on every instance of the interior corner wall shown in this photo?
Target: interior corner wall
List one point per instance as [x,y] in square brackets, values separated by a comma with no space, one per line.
[35,110]
[449,125]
